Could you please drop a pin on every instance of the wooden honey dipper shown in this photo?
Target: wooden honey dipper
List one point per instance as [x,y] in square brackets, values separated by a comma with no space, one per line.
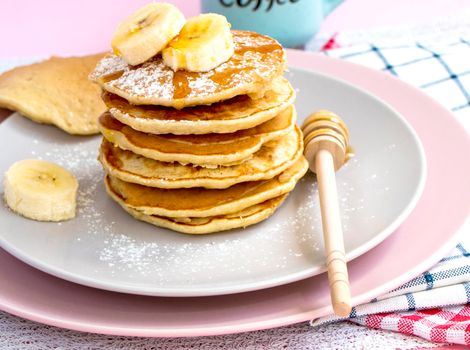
[326,140]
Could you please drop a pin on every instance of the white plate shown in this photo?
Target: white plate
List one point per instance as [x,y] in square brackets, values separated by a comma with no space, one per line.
[106,248]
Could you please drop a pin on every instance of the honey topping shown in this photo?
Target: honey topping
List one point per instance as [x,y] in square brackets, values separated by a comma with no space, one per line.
[256,61]
[209,144]
[199,198]
[181,87]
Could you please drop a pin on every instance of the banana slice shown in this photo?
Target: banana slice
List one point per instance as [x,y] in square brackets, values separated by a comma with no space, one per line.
[146,32]
[41,190]
[204,43]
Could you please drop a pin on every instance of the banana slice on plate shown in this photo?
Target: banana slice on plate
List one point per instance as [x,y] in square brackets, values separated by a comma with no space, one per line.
[146,32]
[41,190]
[204,43]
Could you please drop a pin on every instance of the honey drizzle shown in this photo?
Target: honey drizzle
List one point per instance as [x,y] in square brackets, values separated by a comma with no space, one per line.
[263,49]
[112,76]
[350,153]
[181,87]
[225,76]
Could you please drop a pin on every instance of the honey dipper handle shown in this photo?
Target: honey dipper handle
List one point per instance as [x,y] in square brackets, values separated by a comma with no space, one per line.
[333,234]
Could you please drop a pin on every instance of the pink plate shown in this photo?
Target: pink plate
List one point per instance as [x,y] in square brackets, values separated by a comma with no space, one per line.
[428,233]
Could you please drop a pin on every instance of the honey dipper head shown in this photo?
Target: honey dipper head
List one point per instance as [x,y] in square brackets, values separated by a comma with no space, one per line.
[325,130]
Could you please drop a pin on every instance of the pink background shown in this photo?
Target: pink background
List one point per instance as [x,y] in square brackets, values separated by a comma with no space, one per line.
[66,27]
[72,27]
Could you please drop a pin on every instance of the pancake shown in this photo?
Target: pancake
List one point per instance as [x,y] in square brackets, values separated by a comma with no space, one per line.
[197,226]
[272,159]
[55,91]
[257,60]
[208,150]
[237,113]
[201,202]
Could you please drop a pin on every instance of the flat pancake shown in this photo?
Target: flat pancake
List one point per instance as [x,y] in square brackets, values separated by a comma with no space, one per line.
[56,91]
[237,113]
[210,150]
[272,159]
[257,60]
[201,202]
[197,226]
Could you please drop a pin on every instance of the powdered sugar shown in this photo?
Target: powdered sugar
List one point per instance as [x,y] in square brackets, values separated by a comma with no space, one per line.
[109,65]
[120,250]
[257,60]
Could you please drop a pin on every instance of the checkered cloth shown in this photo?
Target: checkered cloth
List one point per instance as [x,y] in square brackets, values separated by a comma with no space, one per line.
[440,69]
[436,304]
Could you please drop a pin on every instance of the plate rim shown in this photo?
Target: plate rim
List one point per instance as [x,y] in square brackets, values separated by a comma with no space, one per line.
[221,288]
[295,315]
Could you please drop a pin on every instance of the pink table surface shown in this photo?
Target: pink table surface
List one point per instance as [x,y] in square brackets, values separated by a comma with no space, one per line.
[36,28]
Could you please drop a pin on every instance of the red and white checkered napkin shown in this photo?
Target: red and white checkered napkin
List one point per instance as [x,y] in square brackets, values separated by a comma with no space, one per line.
[442,325]
[435,305]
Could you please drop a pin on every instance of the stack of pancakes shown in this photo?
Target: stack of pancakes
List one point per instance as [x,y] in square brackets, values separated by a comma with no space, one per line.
[201,152]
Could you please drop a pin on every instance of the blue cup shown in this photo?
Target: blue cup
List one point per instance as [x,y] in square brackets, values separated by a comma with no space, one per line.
[291,22]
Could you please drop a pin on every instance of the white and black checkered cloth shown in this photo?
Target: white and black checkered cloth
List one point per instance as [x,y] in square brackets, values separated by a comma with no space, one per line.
[440,69]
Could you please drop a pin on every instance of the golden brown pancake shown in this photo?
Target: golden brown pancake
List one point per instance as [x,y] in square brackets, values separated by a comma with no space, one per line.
[197,226]
[208,150]
[237,113]
[201,202]
[257,60]
[56,91]
[272,159]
